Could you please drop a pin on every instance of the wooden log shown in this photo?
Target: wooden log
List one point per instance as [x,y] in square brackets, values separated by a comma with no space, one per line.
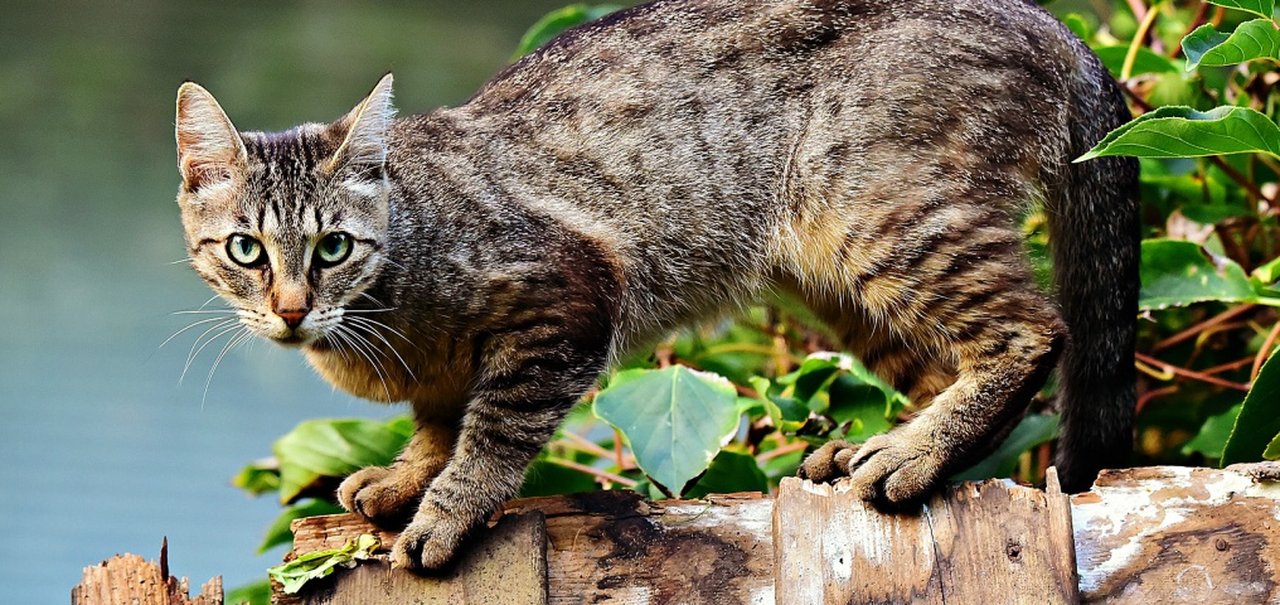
[977,542]
[1180,535]
[1152,535]
[130,579]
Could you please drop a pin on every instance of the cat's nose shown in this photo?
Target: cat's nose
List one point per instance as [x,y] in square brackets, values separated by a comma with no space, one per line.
[293,317]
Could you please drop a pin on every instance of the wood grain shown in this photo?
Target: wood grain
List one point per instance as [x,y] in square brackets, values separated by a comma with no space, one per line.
[1180,535]
[130,579]
[977,542]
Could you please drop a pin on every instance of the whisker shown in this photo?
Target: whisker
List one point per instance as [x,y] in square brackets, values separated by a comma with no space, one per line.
[182,261]
[239,337]
[195,352]
[206,312]
[375,332]
[378,324]
[192,325]
[366,350]
[375,300]
[370,310]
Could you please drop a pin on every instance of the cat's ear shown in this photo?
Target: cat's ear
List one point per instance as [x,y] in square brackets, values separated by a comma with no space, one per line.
[364,130]
[210,150]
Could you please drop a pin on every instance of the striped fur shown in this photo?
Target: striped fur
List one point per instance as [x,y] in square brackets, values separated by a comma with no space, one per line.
[669,164]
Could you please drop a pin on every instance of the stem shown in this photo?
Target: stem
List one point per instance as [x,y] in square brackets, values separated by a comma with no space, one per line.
[1195,330]
[1263,353]
[1192,374]
[781,450]
[1199,19]
[1150,395]
[1230,366]
[1139,39]
[595,472]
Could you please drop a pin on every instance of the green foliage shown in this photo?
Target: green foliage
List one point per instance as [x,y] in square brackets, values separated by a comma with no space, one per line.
[335,448]
[257,593]
[278,532]
[1256,39]
[1258,424]
[675,419]
[1183,132]
[1262,8]
[295,574]
[557,21]
[1180,273]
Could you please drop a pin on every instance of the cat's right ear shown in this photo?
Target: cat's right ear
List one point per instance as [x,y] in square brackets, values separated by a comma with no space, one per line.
[210,150]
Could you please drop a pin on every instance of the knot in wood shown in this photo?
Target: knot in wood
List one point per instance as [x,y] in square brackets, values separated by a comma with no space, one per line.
[1013,550]
[1220,544]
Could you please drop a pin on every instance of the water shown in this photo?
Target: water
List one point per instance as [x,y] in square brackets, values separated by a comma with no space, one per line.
[101,451]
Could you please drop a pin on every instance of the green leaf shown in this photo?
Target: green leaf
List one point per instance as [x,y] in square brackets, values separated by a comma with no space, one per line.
[1256,39]
[293,575]
[279,532]
[257,593]
[336,448]
[1213,435]
[1183,132]
[730,472]
[1146,62]
[1262,8]
[1177,273]
[1032,431]
[1079,25]
[1273,449]
[556,22]
[259,477]
[675,419]
[864,407]
[1259,421]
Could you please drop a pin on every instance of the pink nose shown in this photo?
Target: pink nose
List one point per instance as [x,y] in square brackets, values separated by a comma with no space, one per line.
[293,318]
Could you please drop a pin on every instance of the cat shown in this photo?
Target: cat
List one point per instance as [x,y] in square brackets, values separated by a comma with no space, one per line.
[668,164]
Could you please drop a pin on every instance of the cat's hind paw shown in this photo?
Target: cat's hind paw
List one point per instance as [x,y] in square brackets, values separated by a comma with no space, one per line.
[828,463]
[895,469]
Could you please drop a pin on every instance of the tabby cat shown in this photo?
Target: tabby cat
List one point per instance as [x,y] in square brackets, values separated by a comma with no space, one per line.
[669,164]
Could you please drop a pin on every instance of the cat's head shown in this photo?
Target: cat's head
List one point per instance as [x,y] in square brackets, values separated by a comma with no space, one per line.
[288,227]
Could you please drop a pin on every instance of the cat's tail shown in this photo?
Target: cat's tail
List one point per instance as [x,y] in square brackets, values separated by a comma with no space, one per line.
[1095,236]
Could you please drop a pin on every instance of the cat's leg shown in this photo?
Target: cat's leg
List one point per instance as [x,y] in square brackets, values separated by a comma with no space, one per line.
[920,377]
[964,294]
[534,366]
[388,496]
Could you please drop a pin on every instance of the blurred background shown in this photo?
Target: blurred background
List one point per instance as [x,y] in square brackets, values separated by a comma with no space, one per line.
[101,450]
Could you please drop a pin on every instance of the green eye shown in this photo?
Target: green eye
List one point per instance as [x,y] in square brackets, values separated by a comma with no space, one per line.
[246,251]
[333,249]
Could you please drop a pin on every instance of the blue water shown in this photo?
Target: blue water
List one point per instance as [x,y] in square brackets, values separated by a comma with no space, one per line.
[101,450]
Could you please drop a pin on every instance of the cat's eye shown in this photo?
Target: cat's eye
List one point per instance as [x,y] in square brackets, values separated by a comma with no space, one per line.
[246,251]
[333,249]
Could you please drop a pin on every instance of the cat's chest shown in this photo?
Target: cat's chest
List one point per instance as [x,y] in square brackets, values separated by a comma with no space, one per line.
[422,373]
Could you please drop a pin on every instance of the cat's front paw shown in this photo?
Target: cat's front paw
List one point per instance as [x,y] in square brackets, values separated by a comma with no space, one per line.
[428,544]
[381,495]
[898,468]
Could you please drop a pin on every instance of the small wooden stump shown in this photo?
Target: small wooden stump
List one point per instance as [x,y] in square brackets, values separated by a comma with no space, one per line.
[132,580]
[1180,535]
[976,542]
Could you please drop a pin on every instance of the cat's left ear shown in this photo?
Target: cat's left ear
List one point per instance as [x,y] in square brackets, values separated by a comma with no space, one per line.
[364,129]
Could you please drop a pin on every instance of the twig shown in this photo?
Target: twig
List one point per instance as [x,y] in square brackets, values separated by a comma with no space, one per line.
[1229,366]
[1264,352]
[1153,394]
[1199,19]
[587,446]
[594,472]
[781,450]
[1139,39]
[1195,330]
[1192,374]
